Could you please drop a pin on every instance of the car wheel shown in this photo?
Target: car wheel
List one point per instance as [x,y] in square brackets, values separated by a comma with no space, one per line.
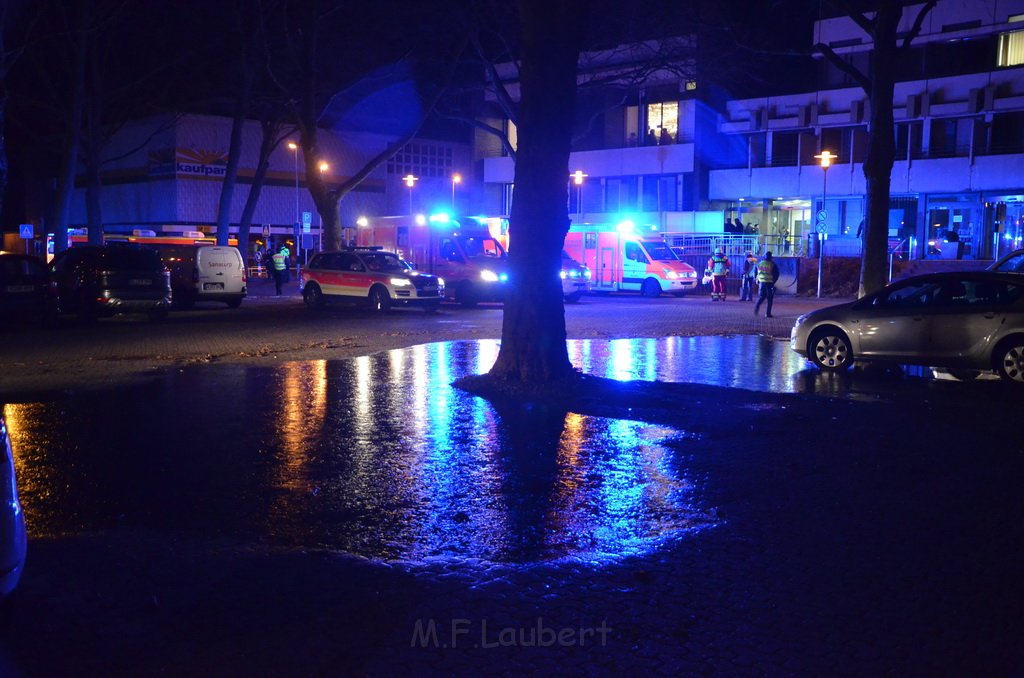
[574,297]
[380,300]
[651,289]
[313,297]
[235,303]
[829,349]
[1009,360]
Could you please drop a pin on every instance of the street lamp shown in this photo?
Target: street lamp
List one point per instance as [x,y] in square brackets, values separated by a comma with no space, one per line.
[577,178]
[826,158]
[320,245]
[295,152]
[456,179]
[410,181]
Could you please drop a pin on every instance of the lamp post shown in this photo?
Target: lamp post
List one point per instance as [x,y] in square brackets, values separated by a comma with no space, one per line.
[577,178]
[295,153]
[410,181]
[320,245]
[456,179]
[826,158]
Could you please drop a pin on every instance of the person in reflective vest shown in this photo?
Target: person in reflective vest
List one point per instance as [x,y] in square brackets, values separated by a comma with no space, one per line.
[718,265]
[767,274]
[280,269]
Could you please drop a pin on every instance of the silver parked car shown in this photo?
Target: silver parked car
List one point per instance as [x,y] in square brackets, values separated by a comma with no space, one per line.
[972,320]
[1009,263]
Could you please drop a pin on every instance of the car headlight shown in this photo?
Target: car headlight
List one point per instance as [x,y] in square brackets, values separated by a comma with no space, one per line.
[503,277]
[563,275]
[488,276]
[440,282]
[400,282]
[586,273]
[671,275]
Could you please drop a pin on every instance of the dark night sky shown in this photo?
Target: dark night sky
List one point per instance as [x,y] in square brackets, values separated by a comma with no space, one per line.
[163,55]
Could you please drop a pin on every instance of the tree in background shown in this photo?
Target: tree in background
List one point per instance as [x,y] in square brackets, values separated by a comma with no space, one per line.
[879,83]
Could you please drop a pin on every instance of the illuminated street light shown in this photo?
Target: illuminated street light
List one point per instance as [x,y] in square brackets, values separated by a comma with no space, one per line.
[410,181]
[320,245]
[295,152]
[826,158]
[456,179]
[577,178]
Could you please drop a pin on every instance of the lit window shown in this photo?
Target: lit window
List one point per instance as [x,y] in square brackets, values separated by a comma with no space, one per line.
[1011,49]
[663,122]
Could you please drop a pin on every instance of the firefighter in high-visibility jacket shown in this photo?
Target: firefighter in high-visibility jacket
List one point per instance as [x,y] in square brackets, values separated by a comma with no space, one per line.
[718,266]
[280,269]
[767,275]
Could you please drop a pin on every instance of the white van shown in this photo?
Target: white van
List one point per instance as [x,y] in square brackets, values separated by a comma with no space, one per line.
[205,273]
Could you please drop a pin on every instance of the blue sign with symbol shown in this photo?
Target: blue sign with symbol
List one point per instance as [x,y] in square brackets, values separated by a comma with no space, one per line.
[27,231]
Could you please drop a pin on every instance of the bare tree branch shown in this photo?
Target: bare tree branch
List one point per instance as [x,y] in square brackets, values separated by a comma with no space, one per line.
[918,23]
[845,67]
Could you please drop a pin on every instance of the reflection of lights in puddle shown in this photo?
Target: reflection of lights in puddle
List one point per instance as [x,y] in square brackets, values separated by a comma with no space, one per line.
[762,407]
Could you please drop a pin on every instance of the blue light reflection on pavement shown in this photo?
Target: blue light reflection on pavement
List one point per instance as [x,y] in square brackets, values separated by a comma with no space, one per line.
[377,456]
[442,473]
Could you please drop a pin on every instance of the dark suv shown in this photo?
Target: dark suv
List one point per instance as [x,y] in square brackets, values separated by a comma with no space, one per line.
[25,289]
[104,281]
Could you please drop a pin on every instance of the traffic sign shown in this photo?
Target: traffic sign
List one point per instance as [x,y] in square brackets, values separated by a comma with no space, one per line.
[822,227]
[266,230]
[27,231]
[307,218]
[821,215]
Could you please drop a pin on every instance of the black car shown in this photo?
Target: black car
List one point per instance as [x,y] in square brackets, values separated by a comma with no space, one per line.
[96,282]
[25,289]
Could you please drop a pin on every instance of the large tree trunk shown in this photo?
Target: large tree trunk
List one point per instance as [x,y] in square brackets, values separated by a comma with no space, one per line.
[227,188]
[268,143]
[73,136]
[533,328]
[881,149]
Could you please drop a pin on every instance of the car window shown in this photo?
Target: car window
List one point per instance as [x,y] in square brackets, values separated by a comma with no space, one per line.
[131,258]
[481,247]
[906,295]
[660,252]
[448,250]
[1013,264]
[349,262]
[20,267]
[634,253]
[384,262]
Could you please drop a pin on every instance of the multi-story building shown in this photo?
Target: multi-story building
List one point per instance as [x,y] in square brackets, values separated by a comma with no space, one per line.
[165,174]
[959,174]
[959,109]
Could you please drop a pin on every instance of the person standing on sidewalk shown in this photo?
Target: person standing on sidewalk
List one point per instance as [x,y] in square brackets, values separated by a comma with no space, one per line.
[749,275]
[767,274]
[718,264]
[280,269]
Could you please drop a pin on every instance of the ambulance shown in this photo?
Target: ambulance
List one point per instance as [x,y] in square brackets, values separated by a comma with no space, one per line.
[473,263]
[625,257]
[575,277]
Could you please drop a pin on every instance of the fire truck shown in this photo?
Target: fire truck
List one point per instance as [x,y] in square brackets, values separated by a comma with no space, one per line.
[625,257]
[472,262]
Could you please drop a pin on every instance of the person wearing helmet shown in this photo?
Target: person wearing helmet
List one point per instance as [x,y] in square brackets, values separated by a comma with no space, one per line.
[718,265]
